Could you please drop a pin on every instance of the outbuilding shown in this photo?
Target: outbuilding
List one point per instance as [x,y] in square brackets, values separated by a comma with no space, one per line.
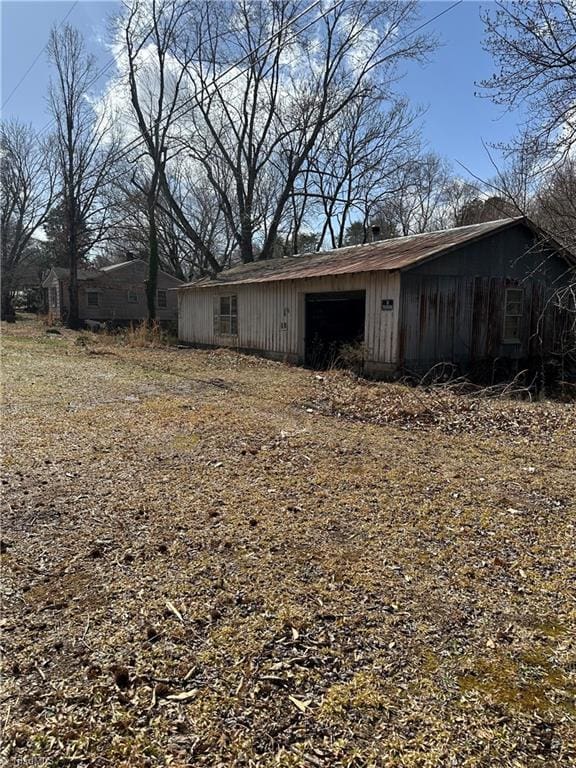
[474,296]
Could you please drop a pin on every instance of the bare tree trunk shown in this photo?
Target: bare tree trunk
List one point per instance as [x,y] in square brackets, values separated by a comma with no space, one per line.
[8,312]
[84,160]
[153,258]
[73,319]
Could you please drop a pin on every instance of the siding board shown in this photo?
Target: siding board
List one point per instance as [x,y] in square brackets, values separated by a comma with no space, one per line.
[264,308]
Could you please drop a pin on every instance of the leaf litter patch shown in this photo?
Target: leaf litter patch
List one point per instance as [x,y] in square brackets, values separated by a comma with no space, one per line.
[213,576]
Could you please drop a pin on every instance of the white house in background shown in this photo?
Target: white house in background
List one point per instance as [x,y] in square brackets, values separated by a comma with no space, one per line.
[114,294]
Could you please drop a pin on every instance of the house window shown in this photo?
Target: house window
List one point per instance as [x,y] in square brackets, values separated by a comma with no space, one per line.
[162,300]
[92,298]
[228,318]
[513,312]
[132,297]
[54,297]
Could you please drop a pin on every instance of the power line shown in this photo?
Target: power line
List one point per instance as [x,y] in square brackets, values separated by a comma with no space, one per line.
[31,67]
[112,61]
[140,142]
[179,111]
[95,79]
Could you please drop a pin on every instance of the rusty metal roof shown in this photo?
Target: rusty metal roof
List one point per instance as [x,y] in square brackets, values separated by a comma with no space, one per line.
[397,253]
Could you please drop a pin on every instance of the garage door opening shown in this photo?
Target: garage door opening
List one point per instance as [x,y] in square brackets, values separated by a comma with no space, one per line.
[334,325]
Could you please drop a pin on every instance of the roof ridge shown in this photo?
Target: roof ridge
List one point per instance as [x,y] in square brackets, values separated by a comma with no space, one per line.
[375,243]
[367,252]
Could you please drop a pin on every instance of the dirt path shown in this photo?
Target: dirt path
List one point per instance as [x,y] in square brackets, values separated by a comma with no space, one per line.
[217,560]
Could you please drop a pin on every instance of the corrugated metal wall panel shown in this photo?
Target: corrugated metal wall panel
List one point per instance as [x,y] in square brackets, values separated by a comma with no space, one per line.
[264,310]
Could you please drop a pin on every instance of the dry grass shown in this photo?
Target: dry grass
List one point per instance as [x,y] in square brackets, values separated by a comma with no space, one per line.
[145,335]
[327,572]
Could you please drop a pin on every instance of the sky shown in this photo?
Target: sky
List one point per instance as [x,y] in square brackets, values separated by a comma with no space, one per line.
[456,121]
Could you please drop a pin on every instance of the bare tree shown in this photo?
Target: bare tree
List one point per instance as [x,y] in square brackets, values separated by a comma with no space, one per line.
[253,126]
[151,33]
[419,201]
[129,234]
[534,45]
[85,150]
[27,177]
[458,195]
[555,203]
[356,165]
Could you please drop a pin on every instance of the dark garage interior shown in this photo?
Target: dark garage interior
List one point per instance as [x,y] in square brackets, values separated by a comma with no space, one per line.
[332,321]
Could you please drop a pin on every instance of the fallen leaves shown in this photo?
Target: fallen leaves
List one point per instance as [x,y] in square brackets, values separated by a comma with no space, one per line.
[173,610]
[197,571]
[345,396]
[300,704]
[183,695]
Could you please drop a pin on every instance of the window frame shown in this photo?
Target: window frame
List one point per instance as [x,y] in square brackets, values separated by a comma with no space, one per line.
[92,293]
[53,296]
[132,297]
[158,301]
[517,316]
[228,320]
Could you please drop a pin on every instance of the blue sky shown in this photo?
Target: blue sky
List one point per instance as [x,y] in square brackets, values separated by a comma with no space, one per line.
[455,124]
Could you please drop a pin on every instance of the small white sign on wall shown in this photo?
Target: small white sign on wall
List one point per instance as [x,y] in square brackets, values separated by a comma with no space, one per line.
[387,305]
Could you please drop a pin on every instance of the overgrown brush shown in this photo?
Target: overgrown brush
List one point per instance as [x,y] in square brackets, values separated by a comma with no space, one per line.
[145,334]
[352,356]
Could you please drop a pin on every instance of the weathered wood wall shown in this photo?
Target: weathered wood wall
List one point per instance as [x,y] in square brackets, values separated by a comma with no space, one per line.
[449,308]
[452,308]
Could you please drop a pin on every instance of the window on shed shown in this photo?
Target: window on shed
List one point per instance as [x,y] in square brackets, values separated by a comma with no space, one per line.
[513,313]
[92,298]
[162,299]
[54,296]
[132,297]
[228,316]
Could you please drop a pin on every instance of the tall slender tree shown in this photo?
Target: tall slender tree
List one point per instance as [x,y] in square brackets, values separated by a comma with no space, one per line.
[232,98]
[86,149]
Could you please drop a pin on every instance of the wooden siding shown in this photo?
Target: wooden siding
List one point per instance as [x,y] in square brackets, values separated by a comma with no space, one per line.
[452,308]
[271,316]
[448,309]
[461,320]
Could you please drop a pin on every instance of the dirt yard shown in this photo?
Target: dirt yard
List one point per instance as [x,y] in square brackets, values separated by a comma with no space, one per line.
[214,560]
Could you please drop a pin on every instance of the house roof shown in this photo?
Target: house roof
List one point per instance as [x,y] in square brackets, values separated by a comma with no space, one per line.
[114,267]
[383,255]
[62,273]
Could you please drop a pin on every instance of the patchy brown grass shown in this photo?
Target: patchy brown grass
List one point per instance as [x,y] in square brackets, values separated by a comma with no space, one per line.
[326,572]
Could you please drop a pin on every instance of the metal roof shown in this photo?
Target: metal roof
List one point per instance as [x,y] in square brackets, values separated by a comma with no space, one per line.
[383,255]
